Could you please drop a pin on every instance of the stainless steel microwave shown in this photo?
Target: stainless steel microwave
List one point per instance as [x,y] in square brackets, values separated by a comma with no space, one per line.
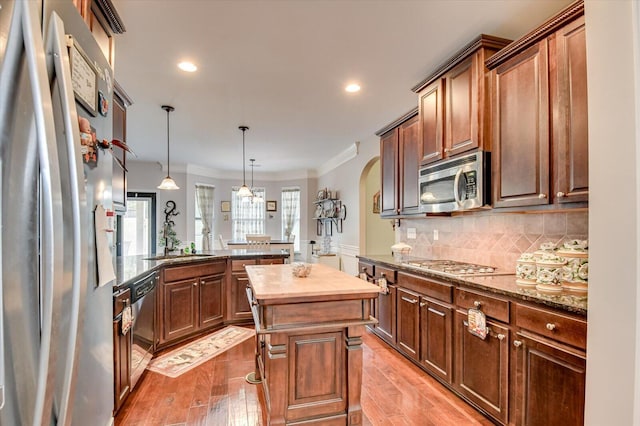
[456,184]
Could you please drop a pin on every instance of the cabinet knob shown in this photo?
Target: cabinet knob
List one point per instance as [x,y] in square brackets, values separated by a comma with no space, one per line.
[501,337]
[423,304]
[542,196]
[517,343]
[195,284]
[551,326]
[202,282]
[446,150]
[477,304]
[560,194]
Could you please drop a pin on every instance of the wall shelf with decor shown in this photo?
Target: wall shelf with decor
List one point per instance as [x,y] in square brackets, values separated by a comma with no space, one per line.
[329,211]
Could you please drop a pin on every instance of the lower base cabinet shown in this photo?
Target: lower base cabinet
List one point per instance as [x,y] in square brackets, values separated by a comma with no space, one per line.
[121,352]
[482,367]
[408,331]
[436,335]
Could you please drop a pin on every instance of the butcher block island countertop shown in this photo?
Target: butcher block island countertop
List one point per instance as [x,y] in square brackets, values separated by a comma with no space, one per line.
[309,342]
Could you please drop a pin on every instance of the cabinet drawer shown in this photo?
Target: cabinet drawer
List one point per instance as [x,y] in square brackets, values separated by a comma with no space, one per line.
[177,273]
[492,306]
[238,265]
[121,300]
[439,291]
[557,326]
[390,274]
[270,262]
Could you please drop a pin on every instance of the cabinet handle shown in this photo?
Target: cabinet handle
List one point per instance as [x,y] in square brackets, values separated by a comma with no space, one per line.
[125,302]
[409,300]
[477,304]
[501,337]
[446,150]
[541,196]
[202,282]
[423,304]
[517,343]
[195,284]
[560,194]
[551,326]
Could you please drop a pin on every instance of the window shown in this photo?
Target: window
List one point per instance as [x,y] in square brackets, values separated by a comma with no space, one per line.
[291,215]
[204,199]
[139,224]
[247,214]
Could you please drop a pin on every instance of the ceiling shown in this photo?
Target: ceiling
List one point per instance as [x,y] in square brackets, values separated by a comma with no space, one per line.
[280,67]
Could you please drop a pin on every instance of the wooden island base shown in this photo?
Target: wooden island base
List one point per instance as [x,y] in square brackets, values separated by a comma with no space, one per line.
[309,343]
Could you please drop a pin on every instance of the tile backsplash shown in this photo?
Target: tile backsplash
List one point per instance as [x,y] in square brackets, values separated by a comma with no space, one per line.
[491,238]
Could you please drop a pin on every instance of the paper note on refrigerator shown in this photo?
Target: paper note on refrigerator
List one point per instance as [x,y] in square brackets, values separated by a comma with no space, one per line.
[106,273]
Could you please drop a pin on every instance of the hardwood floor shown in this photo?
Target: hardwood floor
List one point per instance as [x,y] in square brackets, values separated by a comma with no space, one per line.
[394,392]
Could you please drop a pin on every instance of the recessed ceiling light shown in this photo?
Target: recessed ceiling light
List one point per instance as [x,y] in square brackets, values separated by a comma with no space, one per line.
[187,66]
[353,87]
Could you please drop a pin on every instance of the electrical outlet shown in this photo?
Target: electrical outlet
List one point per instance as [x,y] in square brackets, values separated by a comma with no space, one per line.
[411,233]
[435,235]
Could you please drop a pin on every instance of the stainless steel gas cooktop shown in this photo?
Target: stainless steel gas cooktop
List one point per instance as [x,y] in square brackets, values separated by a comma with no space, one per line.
[453,268]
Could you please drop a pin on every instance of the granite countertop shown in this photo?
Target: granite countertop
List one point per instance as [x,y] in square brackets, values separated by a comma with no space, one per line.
[129,268]
[277,282]
[498,284]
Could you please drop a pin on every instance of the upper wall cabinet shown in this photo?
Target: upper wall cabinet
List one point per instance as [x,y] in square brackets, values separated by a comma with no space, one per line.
[400,153]
[539,106]
[103,20]
[121,101]
[454,103]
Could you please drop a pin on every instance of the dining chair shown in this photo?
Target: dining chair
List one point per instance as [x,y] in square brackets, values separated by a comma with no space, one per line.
[223,244]
[258,241]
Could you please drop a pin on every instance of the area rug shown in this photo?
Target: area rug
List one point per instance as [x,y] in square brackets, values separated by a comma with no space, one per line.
[199,351]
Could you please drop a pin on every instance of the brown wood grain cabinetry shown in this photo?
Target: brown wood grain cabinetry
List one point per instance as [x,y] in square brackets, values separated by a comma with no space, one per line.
[408,320]
[191,299]
[436,336]
[539,104]
[550,367]
[454,102]
[103,21]
[121,102]
[384,306]
[121,351]
[399,165]
[482,366]
[239,309]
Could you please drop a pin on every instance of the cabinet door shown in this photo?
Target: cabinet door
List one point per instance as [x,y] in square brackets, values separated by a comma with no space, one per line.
[462,108]
[550,383]
[180,316]
[119,178]
[211,301]
[431,122]
[385,313]
[240,309]
[436,335]
[482,367]
[410,155]
[521,129]
[570,122]
[408,322]
[389,173]
[121,364]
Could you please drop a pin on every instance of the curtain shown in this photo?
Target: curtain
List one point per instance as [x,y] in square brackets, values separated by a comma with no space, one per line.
[204,197]
[247,214]
[291,214]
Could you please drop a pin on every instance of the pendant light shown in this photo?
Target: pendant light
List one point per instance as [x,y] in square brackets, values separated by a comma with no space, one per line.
[244,190]
[168,183]
[253,191]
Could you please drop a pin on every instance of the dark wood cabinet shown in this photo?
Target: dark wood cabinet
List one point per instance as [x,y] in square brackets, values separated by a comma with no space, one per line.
[121,351]
[408,320]
[191,299]
[482,367]
[454,103]
[384,306]
[400,154]
[119,179]
[539,104]
[239,308]
[436,336]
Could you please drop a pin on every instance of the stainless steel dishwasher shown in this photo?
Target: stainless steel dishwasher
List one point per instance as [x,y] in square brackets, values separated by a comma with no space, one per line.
[143,303]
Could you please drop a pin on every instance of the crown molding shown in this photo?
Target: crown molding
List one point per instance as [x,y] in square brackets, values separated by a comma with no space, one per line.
[339,159]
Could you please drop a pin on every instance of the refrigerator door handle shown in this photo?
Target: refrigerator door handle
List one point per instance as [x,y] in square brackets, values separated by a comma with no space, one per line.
[51,219]
[58,64]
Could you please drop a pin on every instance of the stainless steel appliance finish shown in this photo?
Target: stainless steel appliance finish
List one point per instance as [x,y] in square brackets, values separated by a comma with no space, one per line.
[460,183]
[143,302]
[452,268]
[56,345]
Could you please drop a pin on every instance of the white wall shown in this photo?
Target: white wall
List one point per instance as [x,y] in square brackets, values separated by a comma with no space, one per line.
[612,354]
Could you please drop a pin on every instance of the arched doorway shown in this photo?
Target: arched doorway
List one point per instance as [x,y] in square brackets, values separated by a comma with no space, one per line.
[376,234]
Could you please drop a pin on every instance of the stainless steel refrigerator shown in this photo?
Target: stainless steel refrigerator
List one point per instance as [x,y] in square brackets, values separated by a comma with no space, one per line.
[56,350]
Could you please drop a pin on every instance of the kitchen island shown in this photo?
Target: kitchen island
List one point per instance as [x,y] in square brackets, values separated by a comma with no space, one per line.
[309,342]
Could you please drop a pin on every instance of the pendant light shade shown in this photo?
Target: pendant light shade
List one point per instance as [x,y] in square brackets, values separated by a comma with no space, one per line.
[253,191]
[244,190]
[168,182]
